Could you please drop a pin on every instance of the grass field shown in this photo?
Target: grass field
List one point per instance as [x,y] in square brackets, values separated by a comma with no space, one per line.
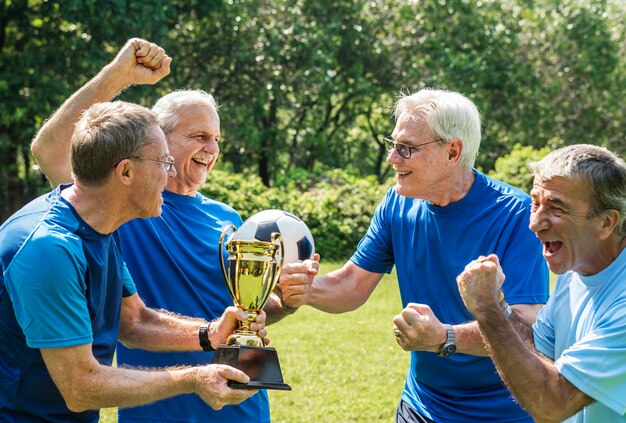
[342,368]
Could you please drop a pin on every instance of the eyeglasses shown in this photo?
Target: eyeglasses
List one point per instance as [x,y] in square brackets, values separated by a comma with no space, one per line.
[168,163]
[404,150]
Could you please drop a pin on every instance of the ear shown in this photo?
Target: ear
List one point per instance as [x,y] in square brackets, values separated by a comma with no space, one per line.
[124,171]
[610,220]
[455,148]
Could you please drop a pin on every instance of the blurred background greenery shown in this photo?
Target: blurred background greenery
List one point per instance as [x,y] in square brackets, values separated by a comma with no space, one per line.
[307,87]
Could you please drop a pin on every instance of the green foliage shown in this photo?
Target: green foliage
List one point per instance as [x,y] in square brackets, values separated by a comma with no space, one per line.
[514,167]
[310,85]
[337,207]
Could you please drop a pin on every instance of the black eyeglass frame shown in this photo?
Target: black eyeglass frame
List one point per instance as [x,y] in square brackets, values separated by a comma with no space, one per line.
[403,148]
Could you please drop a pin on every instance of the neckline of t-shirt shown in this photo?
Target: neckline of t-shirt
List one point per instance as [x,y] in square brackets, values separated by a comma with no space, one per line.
[479,183]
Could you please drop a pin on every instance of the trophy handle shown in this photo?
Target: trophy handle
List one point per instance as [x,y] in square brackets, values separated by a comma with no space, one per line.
[277,236]
[221,251]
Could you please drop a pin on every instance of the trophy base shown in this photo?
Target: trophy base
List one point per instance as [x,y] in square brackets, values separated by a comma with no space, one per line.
[259,363]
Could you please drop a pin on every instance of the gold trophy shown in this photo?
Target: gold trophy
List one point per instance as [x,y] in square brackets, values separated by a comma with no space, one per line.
[251,273]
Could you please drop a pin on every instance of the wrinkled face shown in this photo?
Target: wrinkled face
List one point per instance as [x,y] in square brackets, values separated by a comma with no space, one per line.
[194,146]
[419,175]
[152,176]
[560,216]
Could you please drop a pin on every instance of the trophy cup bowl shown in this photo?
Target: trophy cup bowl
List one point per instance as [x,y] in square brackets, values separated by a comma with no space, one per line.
[251,273]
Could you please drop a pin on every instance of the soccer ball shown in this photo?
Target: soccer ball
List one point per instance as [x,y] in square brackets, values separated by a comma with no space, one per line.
[297,238]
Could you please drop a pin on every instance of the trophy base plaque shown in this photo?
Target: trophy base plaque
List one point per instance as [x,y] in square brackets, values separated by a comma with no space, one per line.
[259,363]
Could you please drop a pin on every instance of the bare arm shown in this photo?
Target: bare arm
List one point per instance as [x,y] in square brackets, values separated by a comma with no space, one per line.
[158,330]
[339,291]
[420,330]
[85,384]
[138,62]
[519,365]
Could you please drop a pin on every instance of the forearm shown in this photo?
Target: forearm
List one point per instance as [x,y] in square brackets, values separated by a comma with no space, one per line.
[343,290]
[158,330]
[471,341]
[51,146]
[119,387]
[523,370]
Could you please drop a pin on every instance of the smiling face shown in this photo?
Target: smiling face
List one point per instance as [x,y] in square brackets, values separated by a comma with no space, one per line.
[421,175]
[560,217]
[194,145]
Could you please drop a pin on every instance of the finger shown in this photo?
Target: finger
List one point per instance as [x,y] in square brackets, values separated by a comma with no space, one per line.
[260,318]
[232,373]
[153,60]
[400,324]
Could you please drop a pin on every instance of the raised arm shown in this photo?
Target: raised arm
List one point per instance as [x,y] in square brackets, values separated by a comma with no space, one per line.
[138,62]
[521,367]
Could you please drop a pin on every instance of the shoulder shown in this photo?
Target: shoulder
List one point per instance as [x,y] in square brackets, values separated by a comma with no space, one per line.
[505,193]
[217,207]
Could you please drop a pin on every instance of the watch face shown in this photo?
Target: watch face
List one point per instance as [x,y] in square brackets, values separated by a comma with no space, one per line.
[448,350]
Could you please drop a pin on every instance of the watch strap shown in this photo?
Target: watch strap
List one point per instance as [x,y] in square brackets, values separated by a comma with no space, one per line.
[203,337]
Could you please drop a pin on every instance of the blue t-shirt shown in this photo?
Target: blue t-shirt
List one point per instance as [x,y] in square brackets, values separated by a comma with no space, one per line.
[175,263]
[430,247]
[62,285]
[583,329]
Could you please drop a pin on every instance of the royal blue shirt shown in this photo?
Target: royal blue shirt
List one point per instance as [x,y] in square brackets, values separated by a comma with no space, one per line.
[430,246]
[175,263]
[62,285]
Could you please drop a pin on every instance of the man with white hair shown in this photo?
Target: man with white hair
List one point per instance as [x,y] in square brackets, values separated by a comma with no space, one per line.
[173,258]
[440,213]
[571,365]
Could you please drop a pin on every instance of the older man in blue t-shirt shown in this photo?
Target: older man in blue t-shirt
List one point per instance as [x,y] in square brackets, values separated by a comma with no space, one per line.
[440,214]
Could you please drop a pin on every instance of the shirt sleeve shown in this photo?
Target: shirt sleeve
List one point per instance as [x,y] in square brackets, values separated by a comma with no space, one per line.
[375,250]
[128,284]
[596,364]
[45,282]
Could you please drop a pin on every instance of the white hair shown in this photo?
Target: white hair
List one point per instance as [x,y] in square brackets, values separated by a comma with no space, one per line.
[450,116]
[167,106]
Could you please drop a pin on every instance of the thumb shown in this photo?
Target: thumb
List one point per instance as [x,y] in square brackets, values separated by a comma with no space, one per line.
[231,373]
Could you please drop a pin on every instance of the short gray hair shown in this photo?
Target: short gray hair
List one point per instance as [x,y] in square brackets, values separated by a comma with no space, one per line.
[602,169]
[450,116]
[167,106]
[107,133]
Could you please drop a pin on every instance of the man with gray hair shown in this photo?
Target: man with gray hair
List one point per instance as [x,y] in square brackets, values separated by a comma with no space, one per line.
[441,213]
[66,295]
[173,258]
[571,365]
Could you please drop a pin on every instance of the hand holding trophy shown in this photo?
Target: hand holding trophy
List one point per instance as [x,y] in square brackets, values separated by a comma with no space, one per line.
[257,253]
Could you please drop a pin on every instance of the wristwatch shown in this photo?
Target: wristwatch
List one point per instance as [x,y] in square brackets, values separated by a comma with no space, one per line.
[449,347]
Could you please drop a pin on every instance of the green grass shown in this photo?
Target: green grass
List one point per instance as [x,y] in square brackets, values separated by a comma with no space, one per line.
[341,368]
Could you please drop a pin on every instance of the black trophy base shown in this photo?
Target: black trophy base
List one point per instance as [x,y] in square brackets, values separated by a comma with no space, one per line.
[259,363]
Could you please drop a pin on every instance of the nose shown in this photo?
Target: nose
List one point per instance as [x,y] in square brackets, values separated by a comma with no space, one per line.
[538,220]
[172,172]
[393,156]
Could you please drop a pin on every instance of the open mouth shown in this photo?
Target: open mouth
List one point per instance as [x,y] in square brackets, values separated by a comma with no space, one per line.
[401,174]
[203,159]
[551,247]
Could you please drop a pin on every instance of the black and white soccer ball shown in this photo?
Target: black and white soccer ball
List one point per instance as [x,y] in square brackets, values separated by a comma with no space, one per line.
[297,238]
